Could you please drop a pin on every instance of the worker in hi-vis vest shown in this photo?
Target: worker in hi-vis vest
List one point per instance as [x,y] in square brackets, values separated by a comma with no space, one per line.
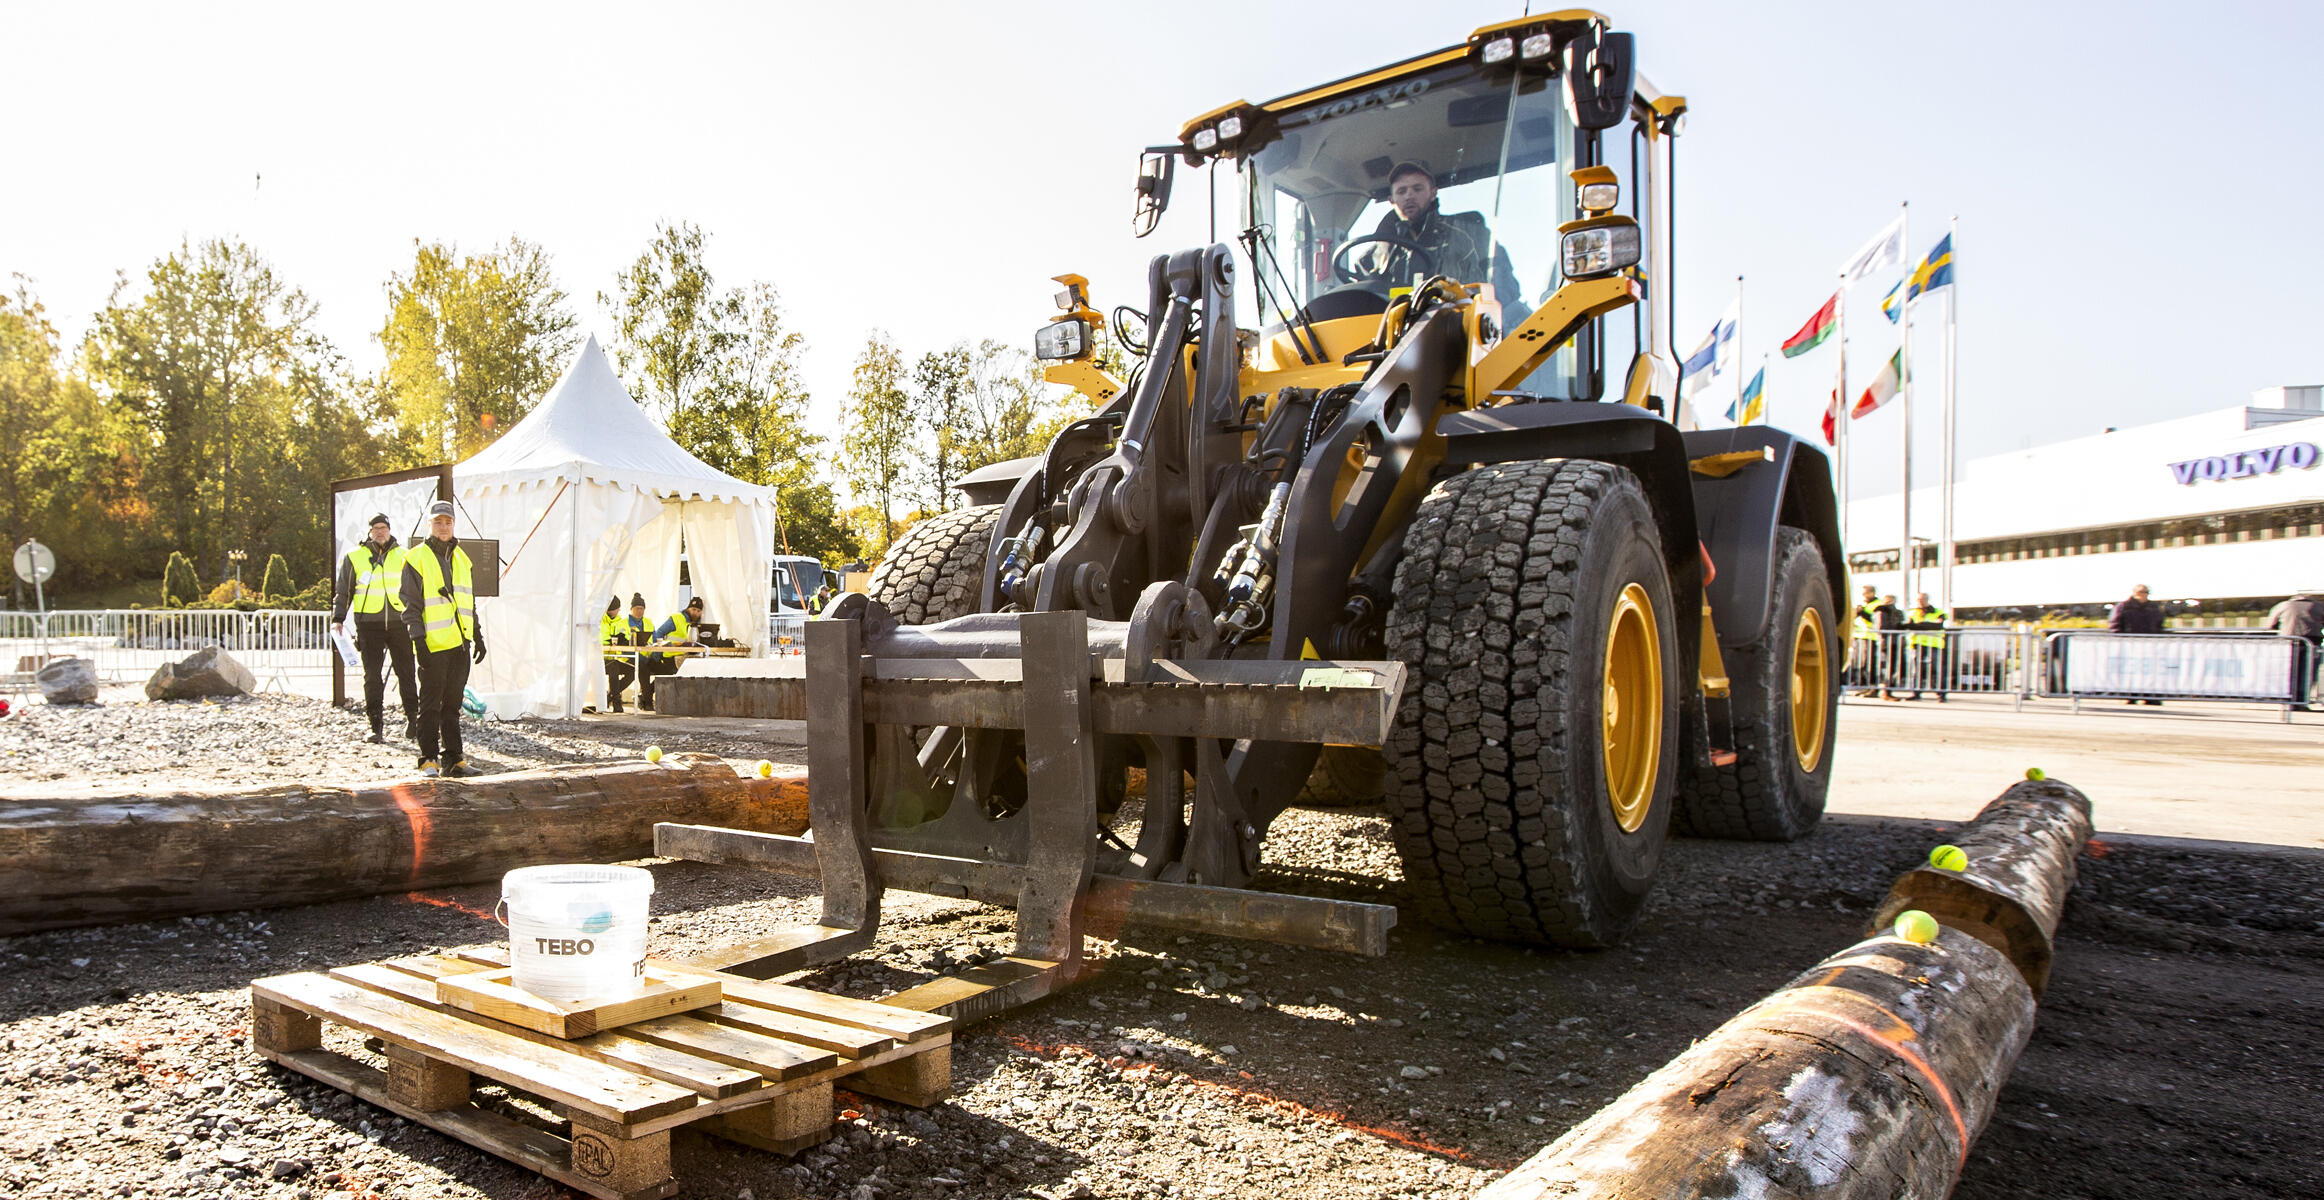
[677,630]
[1927,623]
[1864,641]
[621,636]
[370,588]
[439,611]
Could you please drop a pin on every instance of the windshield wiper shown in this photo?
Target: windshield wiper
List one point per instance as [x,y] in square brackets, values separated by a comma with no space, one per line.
[1256,245]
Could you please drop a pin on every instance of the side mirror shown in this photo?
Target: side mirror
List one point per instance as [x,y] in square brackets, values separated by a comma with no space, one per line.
[1599,82]
[1155,169]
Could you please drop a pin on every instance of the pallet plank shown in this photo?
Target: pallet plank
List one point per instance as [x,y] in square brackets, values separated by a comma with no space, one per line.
[557,1074]
[778,1060]
[807,1031]
[704,1076]
[904,1025]
[494,994]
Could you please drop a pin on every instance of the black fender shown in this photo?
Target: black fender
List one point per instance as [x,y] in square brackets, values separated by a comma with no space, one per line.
[1622,434]
[992,483]
[1739,515]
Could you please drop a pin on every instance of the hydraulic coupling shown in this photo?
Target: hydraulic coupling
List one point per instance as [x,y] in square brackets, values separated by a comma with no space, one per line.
[1246,573]
[1018,554]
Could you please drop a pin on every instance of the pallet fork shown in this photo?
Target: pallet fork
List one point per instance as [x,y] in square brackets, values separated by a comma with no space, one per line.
[1063,679]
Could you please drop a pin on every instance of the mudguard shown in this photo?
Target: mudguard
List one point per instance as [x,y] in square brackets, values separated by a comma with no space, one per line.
[1739,515]
[1652,448]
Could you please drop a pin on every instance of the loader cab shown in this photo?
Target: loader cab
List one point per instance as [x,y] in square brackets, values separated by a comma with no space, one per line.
[1496,125]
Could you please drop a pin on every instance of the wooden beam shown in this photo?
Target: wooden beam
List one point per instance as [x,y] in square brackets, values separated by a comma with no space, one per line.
[2021,850]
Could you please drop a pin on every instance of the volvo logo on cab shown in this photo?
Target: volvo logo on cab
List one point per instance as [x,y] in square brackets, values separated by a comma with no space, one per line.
[2298,456]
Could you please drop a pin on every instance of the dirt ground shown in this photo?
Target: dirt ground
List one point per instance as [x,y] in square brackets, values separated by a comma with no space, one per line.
[2177,1053]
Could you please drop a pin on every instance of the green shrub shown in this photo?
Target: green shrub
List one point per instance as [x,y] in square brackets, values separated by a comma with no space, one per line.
[179,585]
[278,580]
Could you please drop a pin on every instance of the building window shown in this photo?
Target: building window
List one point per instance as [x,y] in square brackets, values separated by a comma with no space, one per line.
[2264,525]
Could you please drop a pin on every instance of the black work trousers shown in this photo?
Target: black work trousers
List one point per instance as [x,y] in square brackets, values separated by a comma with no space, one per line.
[619,672]
[443,683]
[382,644]
[651,667]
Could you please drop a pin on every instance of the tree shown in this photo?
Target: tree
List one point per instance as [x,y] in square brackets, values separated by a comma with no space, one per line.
[720,370]
[179,585]
[880,435]
[472,343]
[941,390]
[277,580]
[243,408]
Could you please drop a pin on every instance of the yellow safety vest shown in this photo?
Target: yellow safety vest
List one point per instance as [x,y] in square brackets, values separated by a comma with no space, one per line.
[609,628]
[1865,629]
[446,622]
[679,629]
[377,588]
[1927,637]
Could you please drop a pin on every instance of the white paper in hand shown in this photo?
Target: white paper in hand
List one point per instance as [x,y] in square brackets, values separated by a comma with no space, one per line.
[346,647]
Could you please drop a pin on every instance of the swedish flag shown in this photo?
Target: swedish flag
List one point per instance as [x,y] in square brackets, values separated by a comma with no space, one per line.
[1929,274]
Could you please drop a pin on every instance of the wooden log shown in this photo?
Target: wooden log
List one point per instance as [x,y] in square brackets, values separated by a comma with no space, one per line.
[2021,850]
[1868,1076]
[97,860]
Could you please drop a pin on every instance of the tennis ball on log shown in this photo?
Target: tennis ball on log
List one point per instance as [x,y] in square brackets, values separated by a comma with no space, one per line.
[2036,774]
[1949,858]
[653,754]
[1916,927]
[766,769]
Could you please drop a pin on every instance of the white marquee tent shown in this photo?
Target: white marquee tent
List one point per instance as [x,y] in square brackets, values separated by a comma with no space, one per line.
[591,500]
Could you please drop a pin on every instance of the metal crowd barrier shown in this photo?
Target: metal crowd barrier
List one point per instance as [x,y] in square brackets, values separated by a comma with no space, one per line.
[280,646]
[2084,664]
[786,635]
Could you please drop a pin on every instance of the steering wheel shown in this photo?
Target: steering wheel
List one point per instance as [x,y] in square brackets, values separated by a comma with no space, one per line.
[1423,264]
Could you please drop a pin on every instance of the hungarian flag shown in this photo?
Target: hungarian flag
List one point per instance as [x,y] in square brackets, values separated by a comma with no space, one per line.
[1818,328]
[1883,387]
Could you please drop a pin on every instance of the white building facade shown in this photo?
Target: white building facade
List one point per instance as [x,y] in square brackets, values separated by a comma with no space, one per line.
[2222,512]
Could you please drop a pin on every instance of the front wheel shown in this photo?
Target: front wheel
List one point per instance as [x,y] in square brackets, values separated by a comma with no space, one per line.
[1534,754]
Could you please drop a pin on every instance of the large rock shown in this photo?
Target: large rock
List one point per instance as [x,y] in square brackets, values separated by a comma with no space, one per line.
[211,672]
[68,681]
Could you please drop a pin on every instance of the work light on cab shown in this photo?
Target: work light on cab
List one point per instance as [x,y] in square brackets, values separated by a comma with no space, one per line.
[1601,243]
[1068,338]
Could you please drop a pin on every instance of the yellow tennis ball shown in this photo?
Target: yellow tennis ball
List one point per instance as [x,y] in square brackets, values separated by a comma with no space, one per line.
[1916,927]
[653,754]
[766,769]
[1949,858]
[2036,774]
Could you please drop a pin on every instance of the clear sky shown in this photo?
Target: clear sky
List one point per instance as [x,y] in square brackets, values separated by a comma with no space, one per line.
[2136,184]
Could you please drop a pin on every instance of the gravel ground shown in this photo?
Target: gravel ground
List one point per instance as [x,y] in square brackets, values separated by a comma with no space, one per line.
[2177,1052]
[274,738]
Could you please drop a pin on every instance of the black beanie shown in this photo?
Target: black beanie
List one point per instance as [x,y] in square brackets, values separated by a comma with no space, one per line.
[637,599]
[612,605]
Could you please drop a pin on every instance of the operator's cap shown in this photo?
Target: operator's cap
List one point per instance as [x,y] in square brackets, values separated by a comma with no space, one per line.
[378,519]
[441,508]
[1411,166]
[695,603]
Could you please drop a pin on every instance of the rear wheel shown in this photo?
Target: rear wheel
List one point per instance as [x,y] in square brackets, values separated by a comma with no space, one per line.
[935,572]
[1345,777]
[1535,750]
[1784,705]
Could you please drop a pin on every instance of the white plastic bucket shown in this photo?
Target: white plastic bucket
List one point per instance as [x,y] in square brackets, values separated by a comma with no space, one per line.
[577,932]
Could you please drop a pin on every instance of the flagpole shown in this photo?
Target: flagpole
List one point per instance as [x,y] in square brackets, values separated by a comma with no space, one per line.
[1739,413]
[1945,531]
[1904,556]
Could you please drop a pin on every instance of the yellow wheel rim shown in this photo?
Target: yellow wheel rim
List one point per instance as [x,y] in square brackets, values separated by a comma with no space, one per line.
[1632,716]
[1811,683]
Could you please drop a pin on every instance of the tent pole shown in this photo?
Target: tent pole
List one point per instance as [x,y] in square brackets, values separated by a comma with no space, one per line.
[572,597]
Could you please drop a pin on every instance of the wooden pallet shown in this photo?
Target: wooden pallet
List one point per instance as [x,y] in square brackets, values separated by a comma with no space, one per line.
[757,1068]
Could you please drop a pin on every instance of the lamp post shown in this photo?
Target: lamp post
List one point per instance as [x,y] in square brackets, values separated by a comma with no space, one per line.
[236,557]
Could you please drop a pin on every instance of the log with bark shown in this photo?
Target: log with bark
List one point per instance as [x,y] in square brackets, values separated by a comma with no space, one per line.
[1868,1076]
[2021,851]
[98,860]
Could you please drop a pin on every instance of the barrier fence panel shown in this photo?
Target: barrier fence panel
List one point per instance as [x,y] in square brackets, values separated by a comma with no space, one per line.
[786,634]
[1942,662]
[281,647]
[2263,668]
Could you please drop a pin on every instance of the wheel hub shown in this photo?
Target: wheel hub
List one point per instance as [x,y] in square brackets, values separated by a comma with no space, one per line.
[1810,689]
[1631,717]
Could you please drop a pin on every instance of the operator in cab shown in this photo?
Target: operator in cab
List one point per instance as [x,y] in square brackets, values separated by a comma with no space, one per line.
[1453,245]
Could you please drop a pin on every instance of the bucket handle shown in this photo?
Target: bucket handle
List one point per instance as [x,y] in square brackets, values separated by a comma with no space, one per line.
[500,912]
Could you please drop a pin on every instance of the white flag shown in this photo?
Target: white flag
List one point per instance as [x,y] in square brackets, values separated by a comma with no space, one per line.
[1883,252]
[1715,357]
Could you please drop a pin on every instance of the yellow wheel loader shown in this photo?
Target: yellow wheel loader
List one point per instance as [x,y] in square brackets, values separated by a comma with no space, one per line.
[1400,501]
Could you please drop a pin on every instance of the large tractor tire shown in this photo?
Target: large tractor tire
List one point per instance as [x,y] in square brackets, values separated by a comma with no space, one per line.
[1784,705]
[1535,752]
[1345,777]
[935,572]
